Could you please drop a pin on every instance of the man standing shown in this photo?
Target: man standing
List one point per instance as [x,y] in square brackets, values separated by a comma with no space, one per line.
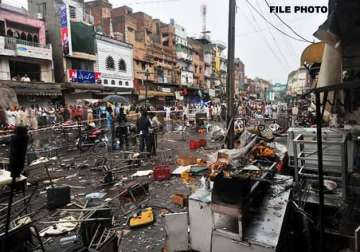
[143,126]
[122,130]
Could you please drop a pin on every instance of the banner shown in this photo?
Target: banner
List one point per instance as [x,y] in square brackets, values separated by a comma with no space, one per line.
[65,30]
[82,76]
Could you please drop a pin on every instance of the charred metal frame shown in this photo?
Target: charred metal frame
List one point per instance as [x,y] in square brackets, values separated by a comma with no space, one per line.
[346,86]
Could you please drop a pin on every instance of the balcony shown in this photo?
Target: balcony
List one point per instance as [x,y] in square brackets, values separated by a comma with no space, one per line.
[10,43]
[17,47]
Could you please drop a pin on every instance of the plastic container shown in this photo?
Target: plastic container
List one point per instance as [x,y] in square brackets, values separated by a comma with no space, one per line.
[193,144]
[202,142]
[161,172]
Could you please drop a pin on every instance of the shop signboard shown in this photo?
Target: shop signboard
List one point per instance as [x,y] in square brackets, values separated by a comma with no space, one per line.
[33,52]
[166,90]
[82,76]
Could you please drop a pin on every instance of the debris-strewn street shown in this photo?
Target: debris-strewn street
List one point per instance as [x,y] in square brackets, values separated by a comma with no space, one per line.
[84,174]
[179,125]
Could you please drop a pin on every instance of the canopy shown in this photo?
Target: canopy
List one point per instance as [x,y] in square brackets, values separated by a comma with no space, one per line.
[116,99]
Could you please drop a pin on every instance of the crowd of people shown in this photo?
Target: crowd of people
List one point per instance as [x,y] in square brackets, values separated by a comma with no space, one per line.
[116,117]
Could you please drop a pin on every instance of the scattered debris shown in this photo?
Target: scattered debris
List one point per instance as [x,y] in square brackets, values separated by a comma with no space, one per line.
[179,199]
[142,173]
[64,225]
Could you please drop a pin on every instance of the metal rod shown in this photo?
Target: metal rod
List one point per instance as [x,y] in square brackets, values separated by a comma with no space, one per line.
[320,167]
[230,74]
[67,221]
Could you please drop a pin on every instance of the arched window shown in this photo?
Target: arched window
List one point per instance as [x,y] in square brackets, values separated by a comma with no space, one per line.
[112,82]
[105,81]
[110,63]
[35,39]
[23,36]
[29,38]
[9,33]
[122,65]
[120,83]
[127,83]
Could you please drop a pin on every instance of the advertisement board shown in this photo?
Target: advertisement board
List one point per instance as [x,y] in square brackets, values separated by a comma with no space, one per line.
[81,76]
[33,52]
[65,31]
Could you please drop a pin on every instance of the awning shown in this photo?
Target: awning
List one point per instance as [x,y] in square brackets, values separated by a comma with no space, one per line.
[37,92]
[155,93]
[35,88]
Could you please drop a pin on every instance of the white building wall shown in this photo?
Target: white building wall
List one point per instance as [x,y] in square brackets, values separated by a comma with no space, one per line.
[47,72]
[122,79]
[79,9]
[4,68]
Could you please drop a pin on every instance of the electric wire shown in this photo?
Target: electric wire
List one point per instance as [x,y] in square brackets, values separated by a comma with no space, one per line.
[288,26]
[255,26]
[279,30]
[275,41]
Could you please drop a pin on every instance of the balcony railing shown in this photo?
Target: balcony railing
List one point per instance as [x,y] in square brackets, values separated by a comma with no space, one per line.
[10,43]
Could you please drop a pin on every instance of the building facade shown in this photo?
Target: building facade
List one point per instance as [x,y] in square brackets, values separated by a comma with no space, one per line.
[114,63]
[23,47]
[72,37]
[184,56]
[298,82]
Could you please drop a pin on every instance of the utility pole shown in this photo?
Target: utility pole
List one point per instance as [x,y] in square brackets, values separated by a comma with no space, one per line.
[147,74]
[230,75]
[145,84]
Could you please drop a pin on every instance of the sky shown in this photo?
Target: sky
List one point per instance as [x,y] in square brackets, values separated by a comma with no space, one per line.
[266,52]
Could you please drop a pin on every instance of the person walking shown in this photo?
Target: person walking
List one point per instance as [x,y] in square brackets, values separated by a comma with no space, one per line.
[143,127]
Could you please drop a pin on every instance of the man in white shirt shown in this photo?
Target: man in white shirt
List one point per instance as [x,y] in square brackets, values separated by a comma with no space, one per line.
[25,78]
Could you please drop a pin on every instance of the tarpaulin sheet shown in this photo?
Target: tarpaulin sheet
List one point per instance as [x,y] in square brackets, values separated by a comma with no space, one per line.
[83,38]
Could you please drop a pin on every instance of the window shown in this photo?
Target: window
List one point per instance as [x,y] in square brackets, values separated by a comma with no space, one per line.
[2,28]
[42,9]
[122,65]
[16,35]
[23,36]
[10,33]
[112,82]
[35,39]
[127,83]
[120,83]
[29,38]
[110,63]
[105,81]
[72,11]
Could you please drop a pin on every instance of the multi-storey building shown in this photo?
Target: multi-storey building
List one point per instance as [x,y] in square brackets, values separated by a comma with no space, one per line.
[184,56]
[100,10]
[154,51]
[197,62]
[23,47]
[298,82]
[72,37]
[26,65]
[114,63]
